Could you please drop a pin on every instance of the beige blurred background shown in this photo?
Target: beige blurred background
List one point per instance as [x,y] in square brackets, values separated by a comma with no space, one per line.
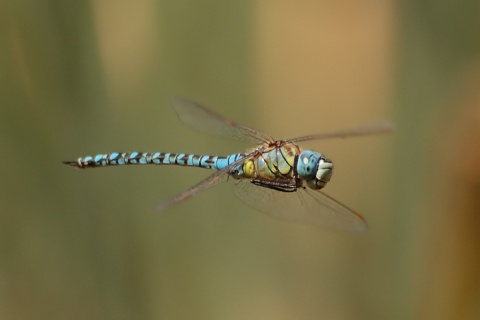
[80,78]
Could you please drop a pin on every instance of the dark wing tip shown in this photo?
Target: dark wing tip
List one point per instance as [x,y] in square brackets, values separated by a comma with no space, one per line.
[361,225]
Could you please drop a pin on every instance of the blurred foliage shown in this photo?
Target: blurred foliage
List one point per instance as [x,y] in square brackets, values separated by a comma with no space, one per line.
[81,78]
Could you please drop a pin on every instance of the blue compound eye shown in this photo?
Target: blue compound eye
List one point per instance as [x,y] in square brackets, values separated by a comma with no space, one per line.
[307,164]
[315,169]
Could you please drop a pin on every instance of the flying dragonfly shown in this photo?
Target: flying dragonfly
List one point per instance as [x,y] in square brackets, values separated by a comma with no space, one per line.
[276,177]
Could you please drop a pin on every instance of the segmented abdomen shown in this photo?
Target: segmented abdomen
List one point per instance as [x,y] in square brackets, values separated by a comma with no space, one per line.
[158,158]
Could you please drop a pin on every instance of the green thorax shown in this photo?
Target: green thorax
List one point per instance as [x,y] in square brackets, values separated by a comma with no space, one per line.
[273,162]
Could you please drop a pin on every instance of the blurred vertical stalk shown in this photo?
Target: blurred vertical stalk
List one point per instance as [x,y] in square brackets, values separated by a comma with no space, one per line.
[437,176]
[450,253]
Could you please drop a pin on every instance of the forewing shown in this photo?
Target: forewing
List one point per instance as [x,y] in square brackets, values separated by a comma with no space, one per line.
[207,121]
[376,128]
[305,206]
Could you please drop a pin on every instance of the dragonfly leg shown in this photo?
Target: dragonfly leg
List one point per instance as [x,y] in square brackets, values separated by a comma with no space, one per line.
[284,186]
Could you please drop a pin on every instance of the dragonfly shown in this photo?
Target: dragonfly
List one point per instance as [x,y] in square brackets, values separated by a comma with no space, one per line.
[276,176]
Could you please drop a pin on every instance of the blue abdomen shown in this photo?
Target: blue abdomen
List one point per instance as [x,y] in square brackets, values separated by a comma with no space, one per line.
[158,158]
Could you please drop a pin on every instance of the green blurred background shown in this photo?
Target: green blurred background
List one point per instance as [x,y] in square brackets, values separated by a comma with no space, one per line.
[85,77]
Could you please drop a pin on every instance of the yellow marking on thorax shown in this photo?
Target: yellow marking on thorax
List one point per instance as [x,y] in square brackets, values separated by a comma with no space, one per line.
[249,169]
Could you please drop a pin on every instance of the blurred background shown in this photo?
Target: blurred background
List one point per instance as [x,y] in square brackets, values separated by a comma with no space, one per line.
[84,77]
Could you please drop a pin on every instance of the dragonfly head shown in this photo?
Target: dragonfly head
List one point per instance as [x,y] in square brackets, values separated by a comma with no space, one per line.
[314,168]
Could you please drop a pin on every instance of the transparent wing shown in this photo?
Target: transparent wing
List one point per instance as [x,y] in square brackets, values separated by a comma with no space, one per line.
[210,181]
[305,206]
[376,128]
[207,121]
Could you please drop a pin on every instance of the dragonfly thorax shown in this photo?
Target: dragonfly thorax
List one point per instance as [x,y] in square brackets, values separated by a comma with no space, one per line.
[314,168]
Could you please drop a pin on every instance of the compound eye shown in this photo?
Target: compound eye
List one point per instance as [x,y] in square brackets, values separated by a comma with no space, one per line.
[307,165]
